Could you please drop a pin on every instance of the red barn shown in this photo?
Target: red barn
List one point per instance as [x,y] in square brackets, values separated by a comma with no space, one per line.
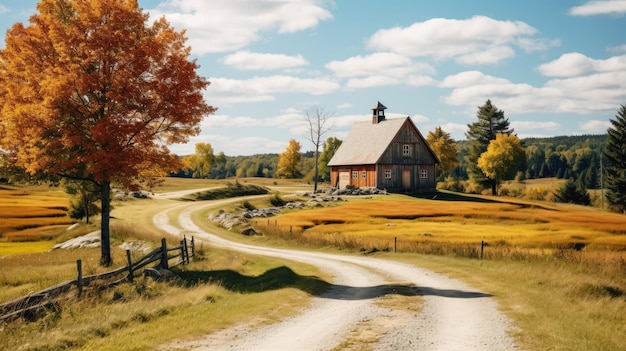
[385,153]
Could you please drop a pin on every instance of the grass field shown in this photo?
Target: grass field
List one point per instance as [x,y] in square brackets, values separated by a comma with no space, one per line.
[32,213]
[558,271]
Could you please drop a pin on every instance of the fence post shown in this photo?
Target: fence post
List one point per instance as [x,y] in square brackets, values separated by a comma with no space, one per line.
[186,249]
[482,248]
[395,244]
[193,247]
[164,264]
[130,267]
[79,278]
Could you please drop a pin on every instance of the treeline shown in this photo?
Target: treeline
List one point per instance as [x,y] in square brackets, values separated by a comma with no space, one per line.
[565,157]
[259,165]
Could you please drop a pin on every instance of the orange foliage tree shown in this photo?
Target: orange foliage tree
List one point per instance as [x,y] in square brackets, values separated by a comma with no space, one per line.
[89,90]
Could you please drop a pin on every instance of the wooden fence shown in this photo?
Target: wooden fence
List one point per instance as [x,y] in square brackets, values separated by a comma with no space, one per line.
[29,305]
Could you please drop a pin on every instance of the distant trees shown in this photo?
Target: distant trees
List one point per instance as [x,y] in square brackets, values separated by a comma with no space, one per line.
[289,161]
[615,152]
[501,160]
[318,120]
[491,121]
[330,147]
[445,148]
[91,92]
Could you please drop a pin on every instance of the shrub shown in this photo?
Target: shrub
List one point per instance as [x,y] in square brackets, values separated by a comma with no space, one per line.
[247,205]
[277,201]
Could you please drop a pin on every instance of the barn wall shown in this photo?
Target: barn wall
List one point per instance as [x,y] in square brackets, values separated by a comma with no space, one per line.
[359,181]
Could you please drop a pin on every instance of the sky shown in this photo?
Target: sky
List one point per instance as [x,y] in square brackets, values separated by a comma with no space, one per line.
[554,67]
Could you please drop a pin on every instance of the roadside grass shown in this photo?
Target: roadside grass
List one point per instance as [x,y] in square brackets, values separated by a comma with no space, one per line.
[219,288]
[555,304]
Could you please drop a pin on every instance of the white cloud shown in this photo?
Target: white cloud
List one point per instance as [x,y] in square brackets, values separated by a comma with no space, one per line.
[344,106]
[3,9]
[599,7]
[520,126]
[594,127]
[463,40]
[380,63]
[617,49]
[371,82]
[245,60]
[471,78]
[261,88]
[226,25]
[576,64]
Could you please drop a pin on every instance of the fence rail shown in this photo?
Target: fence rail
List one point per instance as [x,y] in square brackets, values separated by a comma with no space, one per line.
[32,303]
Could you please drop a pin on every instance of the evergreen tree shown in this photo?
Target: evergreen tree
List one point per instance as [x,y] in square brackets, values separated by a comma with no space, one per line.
[570,192]
[615,153]
[491,121]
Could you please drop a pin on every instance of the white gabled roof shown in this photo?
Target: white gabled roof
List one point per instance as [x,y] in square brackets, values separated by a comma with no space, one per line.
[366,142]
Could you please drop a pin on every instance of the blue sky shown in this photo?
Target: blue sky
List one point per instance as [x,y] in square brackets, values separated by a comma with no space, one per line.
[553,67]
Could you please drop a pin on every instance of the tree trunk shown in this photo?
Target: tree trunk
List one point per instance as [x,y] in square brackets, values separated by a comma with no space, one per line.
[316,169]
[86,207]
[494,187]
[105,258]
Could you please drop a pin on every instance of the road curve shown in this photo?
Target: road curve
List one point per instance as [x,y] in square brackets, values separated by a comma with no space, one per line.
[453,316]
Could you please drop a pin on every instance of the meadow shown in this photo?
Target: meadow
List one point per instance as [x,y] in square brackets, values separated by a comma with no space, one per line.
[558,271]
[36,214]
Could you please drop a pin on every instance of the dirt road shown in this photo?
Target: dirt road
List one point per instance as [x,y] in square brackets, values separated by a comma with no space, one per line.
[453,316]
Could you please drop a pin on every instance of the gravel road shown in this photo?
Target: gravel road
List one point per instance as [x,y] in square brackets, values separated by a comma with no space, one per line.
[453,316]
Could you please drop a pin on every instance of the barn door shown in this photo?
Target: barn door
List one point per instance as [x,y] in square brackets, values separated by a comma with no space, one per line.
[406,178]
[344,180]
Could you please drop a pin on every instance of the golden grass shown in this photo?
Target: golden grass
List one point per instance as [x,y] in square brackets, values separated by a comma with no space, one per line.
[32,214]
[415,221]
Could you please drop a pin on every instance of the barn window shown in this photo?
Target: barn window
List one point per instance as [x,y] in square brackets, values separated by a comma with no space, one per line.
[355,175]
[388,173]
[406,150]
[424,173]
[364,175]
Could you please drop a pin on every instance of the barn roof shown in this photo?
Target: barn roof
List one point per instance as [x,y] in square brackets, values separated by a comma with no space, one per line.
[366,142]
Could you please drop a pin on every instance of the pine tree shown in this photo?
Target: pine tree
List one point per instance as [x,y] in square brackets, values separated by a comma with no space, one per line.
[491,121]
[572,193]
[615,153]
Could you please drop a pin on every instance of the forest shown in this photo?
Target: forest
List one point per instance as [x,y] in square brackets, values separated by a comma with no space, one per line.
[564,157]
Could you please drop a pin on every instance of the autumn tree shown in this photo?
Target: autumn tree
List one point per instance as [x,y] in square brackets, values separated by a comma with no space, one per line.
[289,161]
[615,153]
[202,161]
[89,90]
[491,121]
[331,146]
[318,123]
[502,158]
[444,147]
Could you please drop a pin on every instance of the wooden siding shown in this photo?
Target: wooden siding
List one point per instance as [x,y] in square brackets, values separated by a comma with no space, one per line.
[368,182]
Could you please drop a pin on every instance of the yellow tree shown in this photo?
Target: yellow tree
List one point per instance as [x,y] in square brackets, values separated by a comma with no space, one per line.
[289,161]
[202,161]
[444,147]
[502,159]
[90,91]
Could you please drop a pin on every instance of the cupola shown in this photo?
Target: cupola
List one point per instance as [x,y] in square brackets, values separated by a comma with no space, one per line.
[378,113]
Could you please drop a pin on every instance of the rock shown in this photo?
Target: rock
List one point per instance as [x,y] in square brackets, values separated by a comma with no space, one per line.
[86,241]
[159,274]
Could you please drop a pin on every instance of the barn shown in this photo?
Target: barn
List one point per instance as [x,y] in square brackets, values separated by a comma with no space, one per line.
[385,153]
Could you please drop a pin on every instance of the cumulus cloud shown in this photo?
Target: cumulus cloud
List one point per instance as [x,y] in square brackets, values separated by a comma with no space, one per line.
[273,84]
[227,25]
[576,64]
[599,7]
[594,127]
[463,40]
[390,64]
[246,60]
[521,126]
